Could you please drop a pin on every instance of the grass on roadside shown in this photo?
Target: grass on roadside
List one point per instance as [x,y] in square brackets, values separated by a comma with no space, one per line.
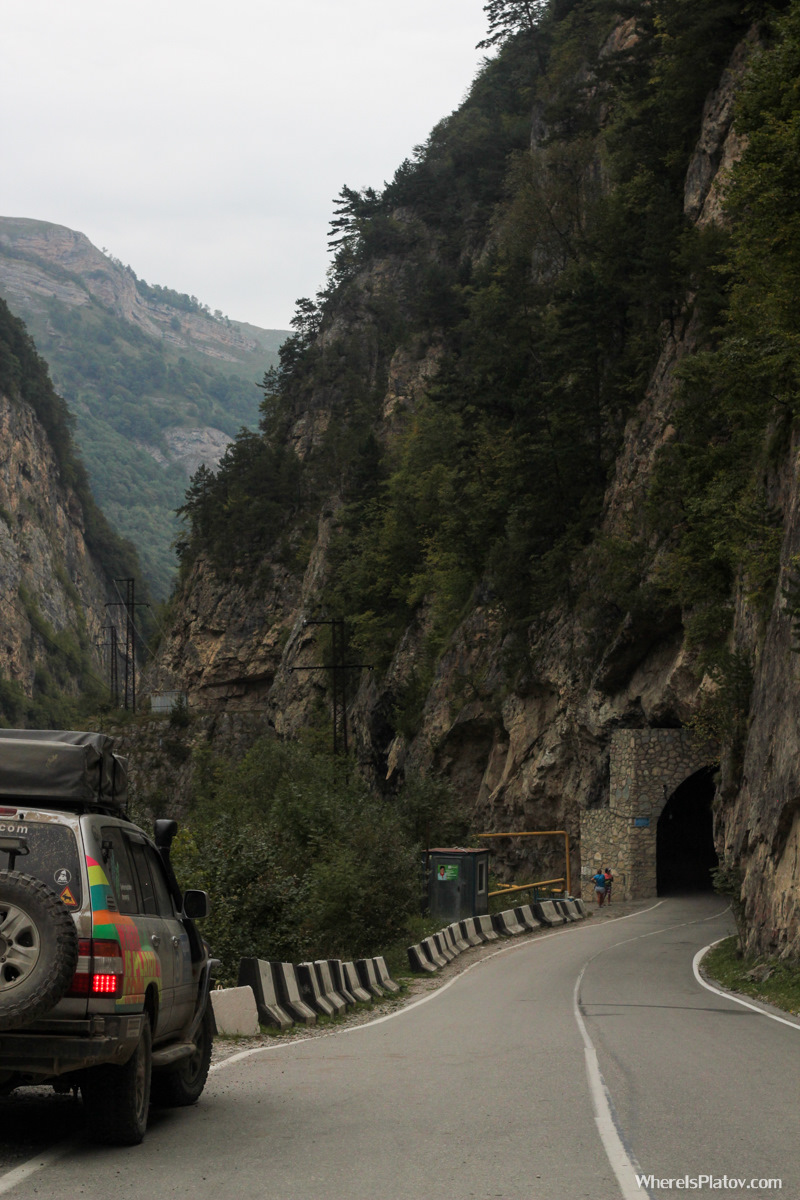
[771,980]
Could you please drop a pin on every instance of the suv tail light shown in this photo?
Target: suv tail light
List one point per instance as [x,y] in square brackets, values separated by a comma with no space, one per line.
[100,969]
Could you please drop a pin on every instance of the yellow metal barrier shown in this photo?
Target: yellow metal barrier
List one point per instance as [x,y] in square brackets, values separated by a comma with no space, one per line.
[526,887]
[540,833]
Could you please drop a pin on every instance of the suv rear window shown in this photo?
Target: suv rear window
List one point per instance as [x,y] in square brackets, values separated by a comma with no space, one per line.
[52,856]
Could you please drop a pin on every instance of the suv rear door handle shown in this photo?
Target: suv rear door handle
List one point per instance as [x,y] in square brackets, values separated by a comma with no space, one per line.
[176,941]
[155,939]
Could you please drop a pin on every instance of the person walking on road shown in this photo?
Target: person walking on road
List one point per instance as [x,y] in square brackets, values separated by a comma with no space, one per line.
[599,881]
[609,878]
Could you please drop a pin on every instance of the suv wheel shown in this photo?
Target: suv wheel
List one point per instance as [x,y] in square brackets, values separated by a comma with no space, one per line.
[183,1084]
[117,1099]
[38,949]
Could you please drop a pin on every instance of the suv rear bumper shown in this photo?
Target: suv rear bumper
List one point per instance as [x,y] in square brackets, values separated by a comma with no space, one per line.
[58,1047]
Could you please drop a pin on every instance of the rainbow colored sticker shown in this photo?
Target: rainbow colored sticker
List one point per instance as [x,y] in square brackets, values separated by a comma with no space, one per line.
[141,964]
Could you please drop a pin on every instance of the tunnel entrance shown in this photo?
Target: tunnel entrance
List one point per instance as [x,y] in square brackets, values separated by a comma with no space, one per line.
[685,854]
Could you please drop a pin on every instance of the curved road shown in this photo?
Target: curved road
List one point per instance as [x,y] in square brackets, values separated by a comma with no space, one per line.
[556,1069]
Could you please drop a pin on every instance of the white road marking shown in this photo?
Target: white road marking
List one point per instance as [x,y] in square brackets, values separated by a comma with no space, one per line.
[424,999]
[19,1174]
[622,1160]
[23,1172]
[729,996]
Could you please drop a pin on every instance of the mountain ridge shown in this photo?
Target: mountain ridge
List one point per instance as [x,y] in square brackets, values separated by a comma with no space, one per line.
[142,368]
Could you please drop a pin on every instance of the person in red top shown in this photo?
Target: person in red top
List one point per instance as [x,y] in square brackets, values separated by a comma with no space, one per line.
[609,879]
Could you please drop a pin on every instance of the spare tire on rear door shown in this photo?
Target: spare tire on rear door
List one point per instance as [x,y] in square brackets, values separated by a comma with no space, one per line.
[38,949]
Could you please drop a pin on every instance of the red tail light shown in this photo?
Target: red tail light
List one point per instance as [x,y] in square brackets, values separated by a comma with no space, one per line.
[100,970]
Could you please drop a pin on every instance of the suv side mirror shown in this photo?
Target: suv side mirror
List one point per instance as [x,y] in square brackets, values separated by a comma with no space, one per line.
[195,904]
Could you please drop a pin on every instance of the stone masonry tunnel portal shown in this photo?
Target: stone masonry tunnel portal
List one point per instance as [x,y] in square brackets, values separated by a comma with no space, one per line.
[655,830]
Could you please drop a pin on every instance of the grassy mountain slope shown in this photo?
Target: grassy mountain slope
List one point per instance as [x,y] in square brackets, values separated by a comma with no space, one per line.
[156,382]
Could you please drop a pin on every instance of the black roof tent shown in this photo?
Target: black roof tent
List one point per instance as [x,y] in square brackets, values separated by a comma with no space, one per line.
[62,767]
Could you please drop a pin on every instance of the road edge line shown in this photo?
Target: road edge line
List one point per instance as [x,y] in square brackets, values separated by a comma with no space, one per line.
[19,1174]
[534,941]
[700,955]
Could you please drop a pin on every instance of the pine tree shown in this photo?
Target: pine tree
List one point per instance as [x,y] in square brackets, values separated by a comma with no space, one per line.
[507,17]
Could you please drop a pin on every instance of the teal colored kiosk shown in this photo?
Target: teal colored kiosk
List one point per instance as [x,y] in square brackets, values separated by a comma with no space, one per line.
[458,883]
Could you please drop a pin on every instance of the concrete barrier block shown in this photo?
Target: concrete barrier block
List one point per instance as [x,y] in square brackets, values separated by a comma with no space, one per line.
[288,990]
[384,978]
[419,961]
[337,975]
[353,983]
[509,921]
[368,977]
[486,928]
[546,912]
[311,992]
[450,941]
[429,946]
[330,987]
[257,974]
[235,1011]
[470,932]
[567,909]
[581,907]
[457,937]
[441,945]
[525,917]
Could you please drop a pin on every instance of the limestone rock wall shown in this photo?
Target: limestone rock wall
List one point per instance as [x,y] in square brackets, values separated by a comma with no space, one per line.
[48,577]
[525,726]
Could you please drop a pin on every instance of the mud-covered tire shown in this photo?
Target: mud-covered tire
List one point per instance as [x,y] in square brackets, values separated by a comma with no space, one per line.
[38,949]
[117,1099]
[181,1085]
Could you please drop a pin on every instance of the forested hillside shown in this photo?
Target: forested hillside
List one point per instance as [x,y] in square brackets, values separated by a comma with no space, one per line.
[541,286]
[534,442]
[58,554]
[155,380]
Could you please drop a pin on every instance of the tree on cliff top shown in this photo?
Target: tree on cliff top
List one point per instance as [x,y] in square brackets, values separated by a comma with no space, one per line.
[508,17]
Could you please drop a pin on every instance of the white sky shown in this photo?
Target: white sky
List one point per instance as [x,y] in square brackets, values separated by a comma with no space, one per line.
[203,143]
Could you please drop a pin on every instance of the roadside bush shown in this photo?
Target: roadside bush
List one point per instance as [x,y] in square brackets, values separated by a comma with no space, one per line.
[300,859]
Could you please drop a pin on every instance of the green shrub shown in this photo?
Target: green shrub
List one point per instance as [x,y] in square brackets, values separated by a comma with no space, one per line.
[300,859]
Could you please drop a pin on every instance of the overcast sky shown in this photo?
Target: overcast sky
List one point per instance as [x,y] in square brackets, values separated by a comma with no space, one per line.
[203,143]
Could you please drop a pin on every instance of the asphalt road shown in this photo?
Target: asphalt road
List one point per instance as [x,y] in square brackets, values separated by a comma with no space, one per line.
[554,1070]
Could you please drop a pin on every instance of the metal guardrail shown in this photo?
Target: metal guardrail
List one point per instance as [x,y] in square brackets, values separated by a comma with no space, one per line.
[540,833]
[526,887]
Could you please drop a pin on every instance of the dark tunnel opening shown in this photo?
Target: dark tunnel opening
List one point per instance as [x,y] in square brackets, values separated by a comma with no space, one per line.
[685,854]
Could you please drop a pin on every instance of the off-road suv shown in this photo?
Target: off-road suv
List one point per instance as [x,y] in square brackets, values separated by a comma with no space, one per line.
[104,978]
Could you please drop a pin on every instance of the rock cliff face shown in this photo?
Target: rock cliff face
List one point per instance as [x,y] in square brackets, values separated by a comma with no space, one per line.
[529,745]
[54,592]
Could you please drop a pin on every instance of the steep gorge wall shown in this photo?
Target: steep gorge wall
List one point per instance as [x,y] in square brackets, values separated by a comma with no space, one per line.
[50,582]
[523,723]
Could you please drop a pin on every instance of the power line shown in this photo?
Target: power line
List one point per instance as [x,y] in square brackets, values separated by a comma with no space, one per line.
[337,667]
[139,604]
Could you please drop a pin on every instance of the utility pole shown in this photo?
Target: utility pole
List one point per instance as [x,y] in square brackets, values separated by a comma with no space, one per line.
[338,668]
[112,646]
[129,604]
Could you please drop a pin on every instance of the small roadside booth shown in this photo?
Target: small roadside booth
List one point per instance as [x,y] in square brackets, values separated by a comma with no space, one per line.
[458,883]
